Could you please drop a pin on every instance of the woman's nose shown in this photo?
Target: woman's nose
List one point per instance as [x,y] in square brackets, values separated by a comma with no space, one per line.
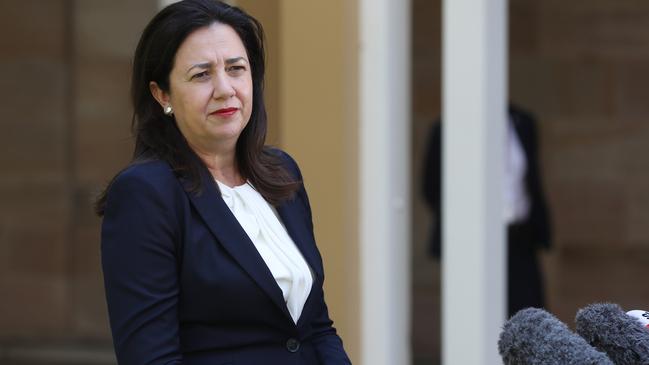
[223,88]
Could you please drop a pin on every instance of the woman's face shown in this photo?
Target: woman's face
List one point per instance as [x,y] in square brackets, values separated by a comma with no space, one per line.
[210,88]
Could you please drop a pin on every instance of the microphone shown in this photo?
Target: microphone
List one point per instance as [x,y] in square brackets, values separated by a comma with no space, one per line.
[535,337]
[641,316]
[606,327]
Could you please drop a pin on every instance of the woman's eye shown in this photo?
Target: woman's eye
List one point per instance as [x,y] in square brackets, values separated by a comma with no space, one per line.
[237,69]
[200,75]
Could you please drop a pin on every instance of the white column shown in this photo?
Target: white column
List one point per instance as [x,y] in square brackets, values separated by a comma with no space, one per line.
[474,114]
[384,162]
[164,3]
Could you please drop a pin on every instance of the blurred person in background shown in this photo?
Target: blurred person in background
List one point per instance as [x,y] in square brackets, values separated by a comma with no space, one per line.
[526,213]
[207,241]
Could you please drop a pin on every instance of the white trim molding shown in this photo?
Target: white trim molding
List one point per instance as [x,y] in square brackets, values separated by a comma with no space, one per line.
[384,181]
[474,114]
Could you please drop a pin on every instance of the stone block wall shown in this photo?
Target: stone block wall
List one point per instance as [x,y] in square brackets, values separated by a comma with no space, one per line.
[65,67]
[34,168]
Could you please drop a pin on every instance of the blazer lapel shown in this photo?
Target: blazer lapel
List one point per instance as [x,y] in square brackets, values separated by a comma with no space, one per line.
[292,216]
[233,238]
[521,131]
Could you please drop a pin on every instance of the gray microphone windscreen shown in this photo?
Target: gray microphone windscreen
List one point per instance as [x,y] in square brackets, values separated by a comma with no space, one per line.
[608,328]
[535,337]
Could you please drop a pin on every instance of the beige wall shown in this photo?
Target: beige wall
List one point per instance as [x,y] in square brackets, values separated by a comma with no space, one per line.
[267,12]
[318,110]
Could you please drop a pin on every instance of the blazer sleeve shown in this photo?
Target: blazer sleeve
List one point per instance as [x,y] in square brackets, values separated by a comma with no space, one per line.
[140,269]
[432,187]
[540,216]
[327,343]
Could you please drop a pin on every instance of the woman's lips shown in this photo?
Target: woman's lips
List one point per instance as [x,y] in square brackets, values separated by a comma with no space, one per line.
[225,112]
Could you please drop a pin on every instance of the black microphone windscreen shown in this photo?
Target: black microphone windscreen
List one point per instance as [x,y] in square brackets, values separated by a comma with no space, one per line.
[535,337]
[608,328]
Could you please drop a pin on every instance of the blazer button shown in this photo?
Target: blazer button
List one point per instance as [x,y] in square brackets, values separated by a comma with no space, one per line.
[292,345]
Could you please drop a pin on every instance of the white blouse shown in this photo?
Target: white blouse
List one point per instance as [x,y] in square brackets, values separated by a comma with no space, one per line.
[517,201]
[261,222]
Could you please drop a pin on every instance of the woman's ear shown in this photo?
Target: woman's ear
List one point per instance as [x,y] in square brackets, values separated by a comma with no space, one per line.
[160,95]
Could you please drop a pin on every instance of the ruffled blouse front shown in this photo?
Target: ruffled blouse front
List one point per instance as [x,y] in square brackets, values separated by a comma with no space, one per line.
[261,223]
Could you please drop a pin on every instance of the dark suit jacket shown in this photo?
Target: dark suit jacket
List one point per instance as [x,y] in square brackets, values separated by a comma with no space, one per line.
[525,127]
[185,285]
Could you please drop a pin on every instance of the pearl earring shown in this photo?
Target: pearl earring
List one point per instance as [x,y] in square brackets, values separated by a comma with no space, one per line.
[168,110]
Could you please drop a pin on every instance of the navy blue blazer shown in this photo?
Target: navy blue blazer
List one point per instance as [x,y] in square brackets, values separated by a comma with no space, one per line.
[185,285]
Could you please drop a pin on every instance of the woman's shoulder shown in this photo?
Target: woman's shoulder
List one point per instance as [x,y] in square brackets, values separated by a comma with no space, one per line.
[148,174]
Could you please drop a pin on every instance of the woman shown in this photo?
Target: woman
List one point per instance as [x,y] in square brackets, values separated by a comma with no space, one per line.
[207,241]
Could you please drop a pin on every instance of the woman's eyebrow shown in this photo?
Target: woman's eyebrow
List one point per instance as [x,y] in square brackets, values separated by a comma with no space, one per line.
[202,65]
[207,65]
[234,60]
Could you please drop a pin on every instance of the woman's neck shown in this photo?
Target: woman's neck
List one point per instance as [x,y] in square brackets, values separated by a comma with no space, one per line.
[222,165]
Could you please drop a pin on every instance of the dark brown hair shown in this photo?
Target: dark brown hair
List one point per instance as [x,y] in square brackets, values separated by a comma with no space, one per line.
[157,136]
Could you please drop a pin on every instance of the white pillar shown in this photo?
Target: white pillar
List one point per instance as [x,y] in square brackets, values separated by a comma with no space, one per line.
[474,114]
[164,3]
[384,162]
